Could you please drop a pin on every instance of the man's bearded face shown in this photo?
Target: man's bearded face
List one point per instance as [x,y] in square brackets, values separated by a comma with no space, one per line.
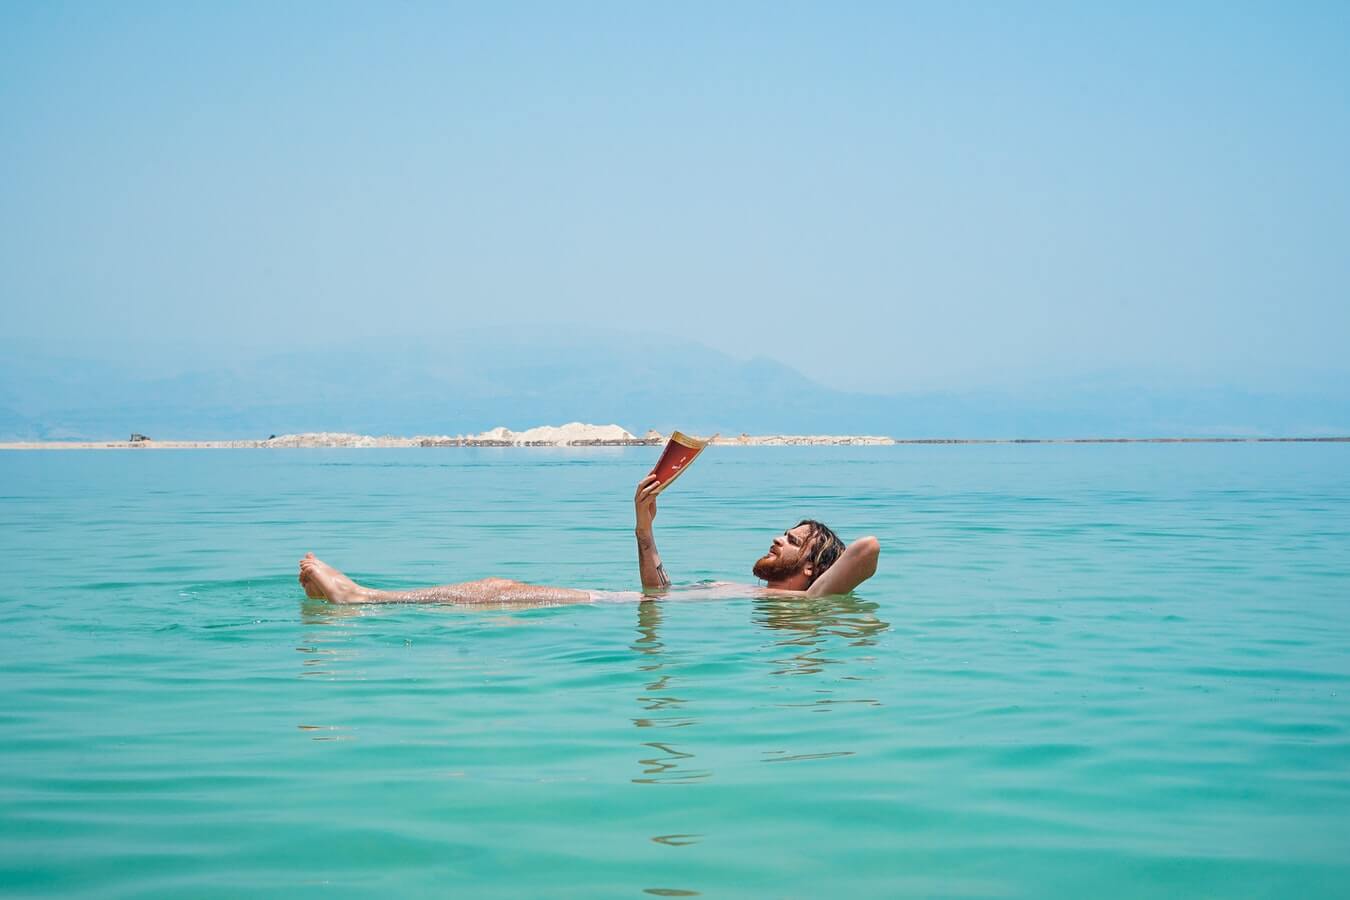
[786,557]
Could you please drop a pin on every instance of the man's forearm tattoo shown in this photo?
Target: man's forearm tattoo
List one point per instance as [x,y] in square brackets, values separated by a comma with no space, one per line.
[645,546]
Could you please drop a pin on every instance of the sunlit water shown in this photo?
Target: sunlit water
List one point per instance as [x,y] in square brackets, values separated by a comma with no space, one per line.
[1104,671]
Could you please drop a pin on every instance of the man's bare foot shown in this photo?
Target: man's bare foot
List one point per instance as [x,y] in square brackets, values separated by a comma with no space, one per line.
[323,582]
[312,589]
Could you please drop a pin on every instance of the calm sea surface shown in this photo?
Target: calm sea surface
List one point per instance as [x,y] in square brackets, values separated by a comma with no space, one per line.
[1106,671]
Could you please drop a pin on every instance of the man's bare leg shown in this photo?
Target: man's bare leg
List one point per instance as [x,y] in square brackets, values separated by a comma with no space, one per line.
[322,581]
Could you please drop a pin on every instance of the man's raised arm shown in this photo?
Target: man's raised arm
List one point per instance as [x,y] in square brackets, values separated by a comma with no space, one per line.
[649,561]
[857,564]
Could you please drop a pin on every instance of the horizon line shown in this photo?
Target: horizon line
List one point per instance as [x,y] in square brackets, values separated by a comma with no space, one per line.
[367,442]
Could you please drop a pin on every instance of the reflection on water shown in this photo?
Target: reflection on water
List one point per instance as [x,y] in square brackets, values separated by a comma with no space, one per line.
[784,756]
[319,659]
[319,736]
[827,639]
[649,639]
[667,765]
[841,616]
[815,627]
[321,612]
[822,634]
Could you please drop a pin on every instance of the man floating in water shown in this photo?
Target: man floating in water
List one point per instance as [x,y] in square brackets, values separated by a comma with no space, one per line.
[807,560]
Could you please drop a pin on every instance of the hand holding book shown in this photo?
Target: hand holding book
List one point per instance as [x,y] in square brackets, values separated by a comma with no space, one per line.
[681,450]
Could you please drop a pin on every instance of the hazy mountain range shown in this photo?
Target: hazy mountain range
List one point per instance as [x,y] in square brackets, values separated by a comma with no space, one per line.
[480,380]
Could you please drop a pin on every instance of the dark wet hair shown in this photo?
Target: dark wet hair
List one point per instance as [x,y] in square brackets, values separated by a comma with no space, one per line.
[825,547]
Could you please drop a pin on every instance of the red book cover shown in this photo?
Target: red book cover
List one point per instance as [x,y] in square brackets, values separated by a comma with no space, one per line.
[681,450]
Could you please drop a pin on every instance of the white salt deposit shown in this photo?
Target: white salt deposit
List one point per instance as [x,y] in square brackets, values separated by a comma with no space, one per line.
[561,435]
[573,433]
[325,439]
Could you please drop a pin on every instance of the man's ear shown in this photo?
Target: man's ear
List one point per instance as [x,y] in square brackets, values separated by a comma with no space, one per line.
[807,570]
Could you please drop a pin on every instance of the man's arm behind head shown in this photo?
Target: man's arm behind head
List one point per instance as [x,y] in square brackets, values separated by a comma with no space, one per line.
[857,564]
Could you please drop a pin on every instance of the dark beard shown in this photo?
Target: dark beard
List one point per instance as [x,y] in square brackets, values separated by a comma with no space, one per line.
[771,568]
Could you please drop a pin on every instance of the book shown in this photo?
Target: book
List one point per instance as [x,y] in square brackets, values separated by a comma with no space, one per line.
[681,450]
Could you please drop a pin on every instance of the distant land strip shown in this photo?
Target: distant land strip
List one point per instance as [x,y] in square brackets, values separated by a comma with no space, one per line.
[357,442]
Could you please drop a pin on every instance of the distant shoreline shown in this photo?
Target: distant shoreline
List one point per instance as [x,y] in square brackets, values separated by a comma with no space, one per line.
[363,442]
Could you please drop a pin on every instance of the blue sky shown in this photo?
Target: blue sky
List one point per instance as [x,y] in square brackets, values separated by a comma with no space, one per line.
[884,196]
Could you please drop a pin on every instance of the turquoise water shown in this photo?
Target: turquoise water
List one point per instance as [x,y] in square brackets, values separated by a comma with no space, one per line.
[1115,670]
